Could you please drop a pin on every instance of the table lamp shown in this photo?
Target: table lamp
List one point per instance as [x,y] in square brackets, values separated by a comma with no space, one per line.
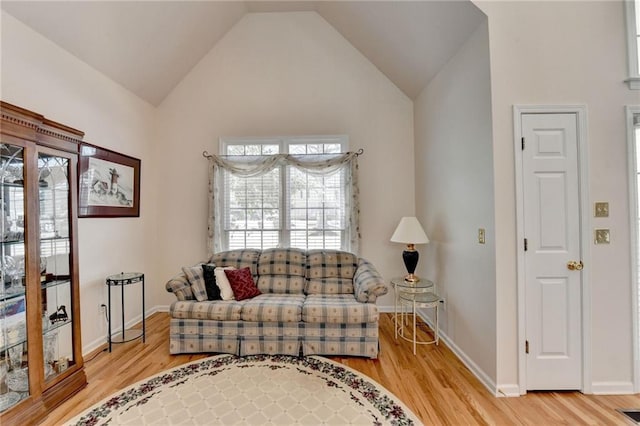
[410,232]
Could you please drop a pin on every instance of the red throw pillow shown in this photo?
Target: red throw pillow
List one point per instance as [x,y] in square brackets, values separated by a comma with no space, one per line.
[242,283]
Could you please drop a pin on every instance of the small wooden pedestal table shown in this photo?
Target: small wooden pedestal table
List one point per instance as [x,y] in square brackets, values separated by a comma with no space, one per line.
[122,279]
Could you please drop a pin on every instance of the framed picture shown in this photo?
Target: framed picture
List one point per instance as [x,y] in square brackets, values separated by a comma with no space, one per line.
[108,183]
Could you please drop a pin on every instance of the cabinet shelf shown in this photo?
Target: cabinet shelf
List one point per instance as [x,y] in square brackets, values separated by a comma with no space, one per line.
[12,184]
[23,339]
[45,239]
[43,286]
[18,240]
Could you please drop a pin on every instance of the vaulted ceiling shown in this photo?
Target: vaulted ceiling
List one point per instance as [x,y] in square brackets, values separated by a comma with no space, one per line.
[150,46]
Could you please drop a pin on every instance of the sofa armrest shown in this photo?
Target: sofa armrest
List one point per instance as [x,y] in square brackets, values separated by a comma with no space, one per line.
[368,283]
[180,287]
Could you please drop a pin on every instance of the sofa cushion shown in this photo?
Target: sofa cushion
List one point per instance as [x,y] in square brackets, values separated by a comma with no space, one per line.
[281,284]
[219,310]
[278,261]
[329,286]
[238,259]
[282,271]
[337,308]
[196,280]
[273,308]
[331,264]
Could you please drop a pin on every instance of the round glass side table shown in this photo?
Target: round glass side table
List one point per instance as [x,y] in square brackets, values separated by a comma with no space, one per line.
[121,280]
[421,300]
[413,295]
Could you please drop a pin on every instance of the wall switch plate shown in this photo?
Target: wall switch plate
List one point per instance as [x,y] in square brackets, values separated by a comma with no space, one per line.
[602,236]
[481,238]
[601,209]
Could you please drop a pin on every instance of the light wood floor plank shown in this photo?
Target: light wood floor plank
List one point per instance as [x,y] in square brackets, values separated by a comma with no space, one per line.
[437,387]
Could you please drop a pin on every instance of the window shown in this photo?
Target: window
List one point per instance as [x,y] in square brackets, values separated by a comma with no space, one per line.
[288,205]
[633,42]
[634,152]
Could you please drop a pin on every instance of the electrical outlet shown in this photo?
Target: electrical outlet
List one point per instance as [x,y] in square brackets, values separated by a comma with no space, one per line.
[102,313]
[601,209]
[602,236]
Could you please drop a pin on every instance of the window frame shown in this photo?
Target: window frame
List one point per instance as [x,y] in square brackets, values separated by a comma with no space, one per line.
[633,39]
[284,142]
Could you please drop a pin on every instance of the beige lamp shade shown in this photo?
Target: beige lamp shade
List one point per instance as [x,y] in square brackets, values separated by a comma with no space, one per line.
[409,231]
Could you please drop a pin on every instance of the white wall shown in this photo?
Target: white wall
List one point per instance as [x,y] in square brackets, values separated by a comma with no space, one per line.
[294,74]
[454,197]
[284,74]
[566,53]
[40,76]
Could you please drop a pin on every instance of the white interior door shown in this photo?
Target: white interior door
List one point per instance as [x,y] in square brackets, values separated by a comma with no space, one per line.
[552,258]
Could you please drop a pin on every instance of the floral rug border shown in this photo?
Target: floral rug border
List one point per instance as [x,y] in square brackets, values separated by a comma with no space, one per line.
[355,383]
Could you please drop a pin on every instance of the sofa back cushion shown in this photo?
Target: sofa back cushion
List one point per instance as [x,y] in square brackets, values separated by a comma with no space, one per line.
[330,272]
[242,258]
[282,271]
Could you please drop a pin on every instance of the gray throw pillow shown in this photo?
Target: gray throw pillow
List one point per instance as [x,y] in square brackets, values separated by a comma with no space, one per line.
[196,281]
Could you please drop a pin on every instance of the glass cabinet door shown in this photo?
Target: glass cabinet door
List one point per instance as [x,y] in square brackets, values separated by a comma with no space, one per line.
[55,263]
[14,380]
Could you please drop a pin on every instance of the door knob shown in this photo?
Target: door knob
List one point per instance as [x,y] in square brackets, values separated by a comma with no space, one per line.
[575,265]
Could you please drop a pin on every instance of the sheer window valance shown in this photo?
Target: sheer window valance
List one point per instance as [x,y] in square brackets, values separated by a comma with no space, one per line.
[284,171]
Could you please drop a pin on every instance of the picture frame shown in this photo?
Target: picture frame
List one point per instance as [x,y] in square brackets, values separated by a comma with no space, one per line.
[108,183]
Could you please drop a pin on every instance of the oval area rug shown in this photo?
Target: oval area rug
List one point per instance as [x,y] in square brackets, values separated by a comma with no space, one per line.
[252,390]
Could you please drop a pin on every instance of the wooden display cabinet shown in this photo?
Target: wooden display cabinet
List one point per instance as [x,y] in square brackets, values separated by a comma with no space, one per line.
[41,361]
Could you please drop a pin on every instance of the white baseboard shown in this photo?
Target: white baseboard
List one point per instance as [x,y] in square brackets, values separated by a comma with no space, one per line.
[612,388]
[468,362]
[508,390]
[92,346]
[95,344]
[159,308]
[386,309]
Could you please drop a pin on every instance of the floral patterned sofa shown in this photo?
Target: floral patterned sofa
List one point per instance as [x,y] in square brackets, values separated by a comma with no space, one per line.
[312,302]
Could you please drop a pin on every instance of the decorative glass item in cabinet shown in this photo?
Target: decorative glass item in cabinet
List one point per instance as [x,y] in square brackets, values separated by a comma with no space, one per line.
[14,383]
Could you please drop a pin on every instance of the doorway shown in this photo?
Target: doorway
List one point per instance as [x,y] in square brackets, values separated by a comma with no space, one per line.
[552,226]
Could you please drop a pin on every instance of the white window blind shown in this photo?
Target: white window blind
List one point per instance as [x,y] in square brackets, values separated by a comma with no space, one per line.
[252,216]
[288,205]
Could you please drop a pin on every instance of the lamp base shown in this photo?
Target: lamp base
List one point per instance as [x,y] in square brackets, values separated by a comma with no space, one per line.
[410,257]
[411,278]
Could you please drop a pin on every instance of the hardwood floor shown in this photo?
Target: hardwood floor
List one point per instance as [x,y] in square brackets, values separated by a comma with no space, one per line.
[434,384]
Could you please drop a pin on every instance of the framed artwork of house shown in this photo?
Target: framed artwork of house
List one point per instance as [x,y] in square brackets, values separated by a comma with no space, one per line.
[109,183]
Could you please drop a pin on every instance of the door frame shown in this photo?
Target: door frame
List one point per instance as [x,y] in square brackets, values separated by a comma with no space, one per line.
[585,232]
[630,111]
